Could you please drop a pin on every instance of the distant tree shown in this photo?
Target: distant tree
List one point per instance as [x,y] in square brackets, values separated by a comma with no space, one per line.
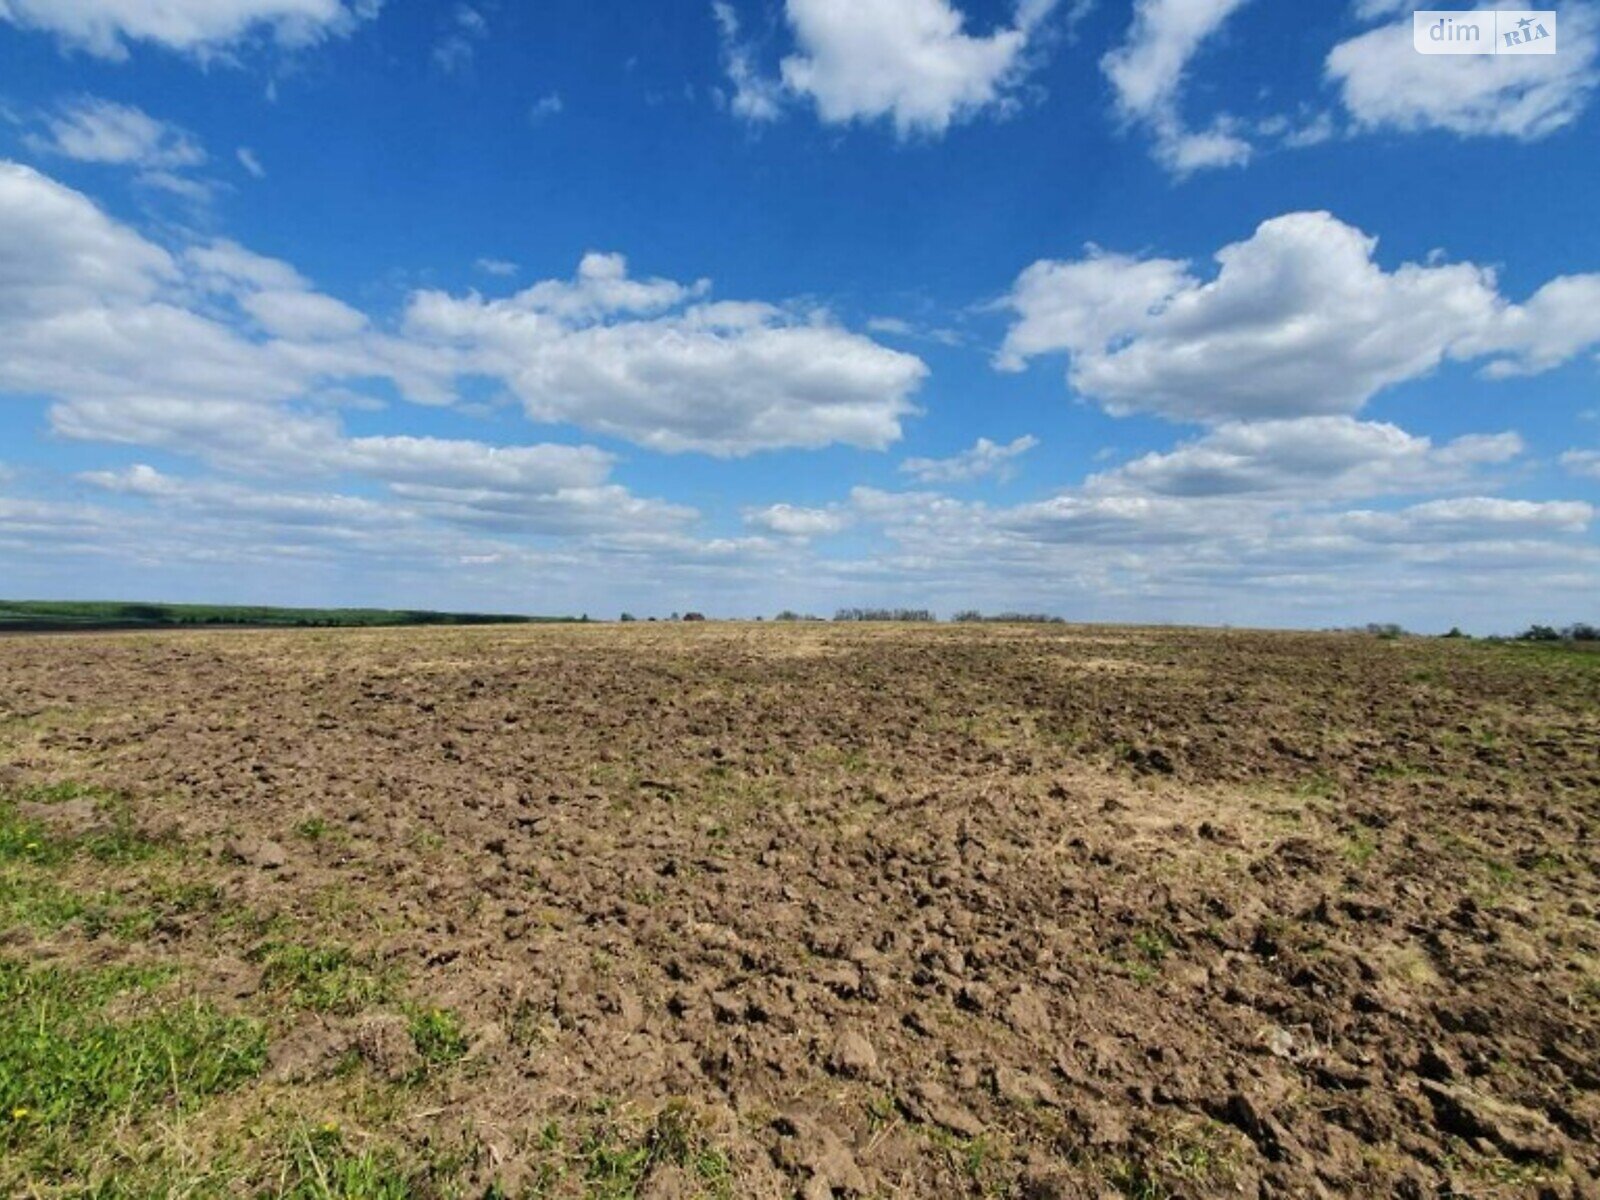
[966,616]
[787,615]
[628,617]
[1581,632]
[694,616]
[1455,632]
[1539,633]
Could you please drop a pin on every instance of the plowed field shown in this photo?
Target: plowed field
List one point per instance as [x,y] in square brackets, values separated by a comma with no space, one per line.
[762,911]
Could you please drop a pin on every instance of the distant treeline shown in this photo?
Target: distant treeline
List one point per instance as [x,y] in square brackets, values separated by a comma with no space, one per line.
[884,614]
[973,616]
[56,615]
[1580,632]
[967,616]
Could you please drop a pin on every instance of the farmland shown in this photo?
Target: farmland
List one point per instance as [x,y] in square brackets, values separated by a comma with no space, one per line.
[814,909]
[66,615]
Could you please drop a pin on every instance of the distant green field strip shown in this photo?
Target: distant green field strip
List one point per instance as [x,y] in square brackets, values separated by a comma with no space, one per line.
[95,614]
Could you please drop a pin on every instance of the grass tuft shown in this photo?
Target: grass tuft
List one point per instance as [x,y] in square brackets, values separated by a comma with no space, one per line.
[322,1167]
[438,1036]
[330,979]
[617,1159]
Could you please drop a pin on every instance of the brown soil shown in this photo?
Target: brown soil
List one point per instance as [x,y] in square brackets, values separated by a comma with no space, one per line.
[1028,912]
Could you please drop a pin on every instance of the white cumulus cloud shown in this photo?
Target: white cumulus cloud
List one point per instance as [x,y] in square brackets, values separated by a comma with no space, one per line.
[1299,320]
[1385,84]
[224,354]
[915,63]
[1469,518]
[655,362]
[1311,458]
[59,252]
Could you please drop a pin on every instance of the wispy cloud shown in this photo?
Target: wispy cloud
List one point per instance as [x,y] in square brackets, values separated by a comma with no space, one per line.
[1147,72]
[206,30]
[90,129]
[546,106]
[983,459]
[162,155]
[455,51]
[755,97]
[250,162]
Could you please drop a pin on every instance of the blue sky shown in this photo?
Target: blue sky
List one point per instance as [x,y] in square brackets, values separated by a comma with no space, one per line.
[1176,310]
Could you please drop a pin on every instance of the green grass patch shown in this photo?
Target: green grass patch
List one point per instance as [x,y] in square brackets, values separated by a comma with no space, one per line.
[438,1036]
[112,839]
[1190,1159]
[67,1065]
[37,892]
[616,1159]
[30,901]
[1503,873]
[1153,944]
[1395,772]
[1135,1180]
[34,856]
[1581,656]
[62,792]
[321,1167]
[1319,786]
[331,978]
[1360,847]
[614,1168]
[266,1160]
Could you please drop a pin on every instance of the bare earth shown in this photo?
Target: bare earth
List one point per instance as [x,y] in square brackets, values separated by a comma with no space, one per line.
[764,911]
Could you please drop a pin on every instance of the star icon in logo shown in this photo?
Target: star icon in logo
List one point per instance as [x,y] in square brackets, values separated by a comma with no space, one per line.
[1524,23]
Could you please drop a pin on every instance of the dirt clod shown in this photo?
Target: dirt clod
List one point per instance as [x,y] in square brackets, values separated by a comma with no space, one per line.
[1522,1133]
[853,1056]
[262,853]
[386,1045]
[309,1052]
